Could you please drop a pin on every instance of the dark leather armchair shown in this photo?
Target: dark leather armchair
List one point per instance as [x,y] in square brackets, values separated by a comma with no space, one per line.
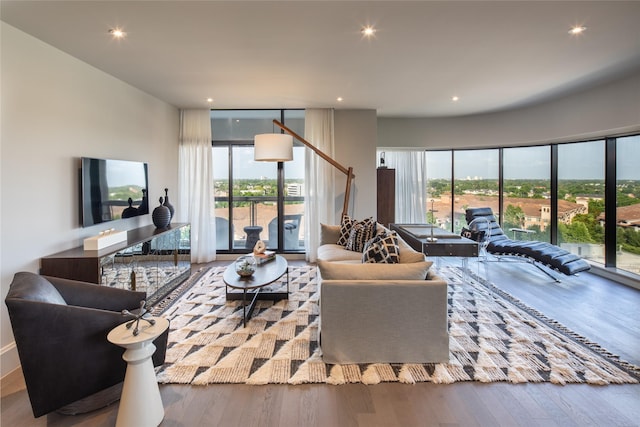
[60,327]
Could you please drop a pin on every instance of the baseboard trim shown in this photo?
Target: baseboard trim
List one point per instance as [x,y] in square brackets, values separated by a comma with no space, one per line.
[620,276]
[9,360]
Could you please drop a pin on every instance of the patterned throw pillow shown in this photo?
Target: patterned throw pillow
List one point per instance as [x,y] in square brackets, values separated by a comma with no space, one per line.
[347,224]
[361,233]
[383,248]
[476,235]
[345,229]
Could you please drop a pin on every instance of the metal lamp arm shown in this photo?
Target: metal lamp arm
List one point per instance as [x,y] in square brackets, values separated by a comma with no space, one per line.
[347,171]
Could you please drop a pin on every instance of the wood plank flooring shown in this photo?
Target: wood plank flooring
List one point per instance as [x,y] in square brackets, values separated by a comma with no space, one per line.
[601,310]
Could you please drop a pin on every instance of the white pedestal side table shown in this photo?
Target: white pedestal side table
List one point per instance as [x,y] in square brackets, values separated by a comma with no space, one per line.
[140,403]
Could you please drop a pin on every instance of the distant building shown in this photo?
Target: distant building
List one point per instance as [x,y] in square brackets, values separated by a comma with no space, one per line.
[295,190]
[626,216]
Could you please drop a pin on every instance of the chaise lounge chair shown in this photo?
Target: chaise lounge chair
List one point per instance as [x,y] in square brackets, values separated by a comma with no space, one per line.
[535,252]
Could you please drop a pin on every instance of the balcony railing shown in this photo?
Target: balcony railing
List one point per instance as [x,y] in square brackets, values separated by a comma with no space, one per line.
[242,220]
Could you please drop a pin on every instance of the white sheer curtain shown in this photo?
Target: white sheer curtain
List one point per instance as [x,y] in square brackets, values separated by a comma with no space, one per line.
[411,185]
[195,180]
[319,205]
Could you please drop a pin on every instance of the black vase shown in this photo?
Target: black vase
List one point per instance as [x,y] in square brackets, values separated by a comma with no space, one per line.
[167,204]
[161,216]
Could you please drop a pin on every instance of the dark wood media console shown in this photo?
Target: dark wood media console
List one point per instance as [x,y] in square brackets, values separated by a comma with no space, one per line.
[151,260]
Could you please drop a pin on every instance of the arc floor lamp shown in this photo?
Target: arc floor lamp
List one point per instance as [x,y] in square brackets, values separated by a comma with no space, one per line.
[278,147]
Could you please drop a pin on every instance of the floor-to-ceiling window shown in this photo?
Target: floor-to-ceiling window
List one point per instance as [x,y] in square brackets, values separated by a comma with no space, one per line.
[526,210]
[581,183]
[557,193]
[439,192]
[256,200]
[628,203]
[475,178]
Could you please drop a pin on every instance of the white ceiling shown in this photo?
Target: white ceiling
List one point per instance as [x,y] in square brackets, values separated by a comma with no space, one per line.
[297,54]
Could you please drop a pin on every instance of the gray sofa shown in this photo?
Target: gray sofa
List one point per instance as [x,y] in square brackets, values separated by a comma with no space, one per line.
[379,313]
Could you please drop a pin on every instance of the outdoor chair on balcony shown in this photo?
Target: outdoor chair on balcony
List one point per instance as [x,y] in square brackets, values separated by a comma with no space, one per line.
[291,232]
[537,253]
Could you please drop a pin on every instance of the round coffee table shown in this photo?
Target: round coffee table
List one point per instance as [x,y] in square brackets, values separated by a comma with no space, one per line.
[251,286]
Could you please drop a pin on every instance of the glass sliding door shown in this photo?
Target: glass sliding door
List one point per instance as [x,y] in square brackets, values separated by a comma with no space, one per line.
[526,211]
[256,200]
[476,183]
[581,173]
[221,195]
[628,204]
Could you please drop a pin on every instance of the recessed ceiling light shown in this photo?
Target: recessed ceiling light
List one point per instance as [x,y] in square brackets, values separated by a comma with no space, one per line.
[368,31]
[577,29]
[209,100]
[117,33]
[339,99]
[455,98]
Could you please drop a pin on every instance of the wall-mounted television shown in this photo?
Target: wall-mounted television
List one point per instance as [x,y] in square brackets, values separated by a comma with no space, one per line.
[112,190]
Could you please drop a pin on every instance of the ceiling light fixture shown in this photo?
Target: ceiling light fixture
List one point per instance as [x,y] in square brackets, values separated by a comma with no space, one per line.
[455,98]
[117,33]
[368,31]
[209,100]
[577,29]
[339,99]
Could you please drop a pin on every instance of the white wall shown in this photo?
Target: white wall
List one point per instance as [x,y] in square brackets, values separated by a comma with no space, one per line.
[355,146]
[605,110]
[55,109]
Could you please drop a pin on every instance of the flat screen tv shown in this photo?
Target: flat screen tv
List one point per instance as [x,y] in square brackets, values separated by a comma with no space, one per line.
[112,189]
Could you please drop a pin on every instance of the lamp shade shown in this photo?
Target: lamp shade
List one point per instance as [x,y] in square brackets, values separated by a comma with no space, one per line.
[273,147]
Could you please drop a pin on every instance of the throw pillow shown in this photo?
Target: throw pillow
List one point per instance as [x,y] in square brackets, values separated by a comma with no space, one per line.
[476,235]
[360,234]
[342,271]
[383,248]
[347,224]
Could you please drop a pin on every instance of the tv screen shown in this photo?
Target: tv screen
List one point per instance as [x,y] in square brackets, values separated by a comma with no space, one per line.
[112,189]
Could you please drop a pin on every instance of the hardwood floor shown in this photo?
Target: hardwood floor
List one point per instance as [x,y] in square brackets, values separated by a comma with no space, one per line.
[601,310]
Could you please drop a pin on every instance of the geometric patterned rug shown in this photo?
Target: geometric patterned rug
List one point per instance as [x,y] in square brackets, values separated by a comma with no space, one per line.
[493,337]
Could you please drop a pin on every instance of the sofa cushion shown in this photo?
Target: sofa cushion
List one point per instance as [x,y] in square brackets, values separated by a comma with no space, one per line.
[383,248]
[329,234]
[33,287]
[337,253]
[339,271]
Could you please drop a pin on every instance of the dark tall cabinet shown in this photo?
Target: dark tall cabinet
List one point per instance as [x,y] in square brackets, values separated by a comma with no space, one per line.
[386,196]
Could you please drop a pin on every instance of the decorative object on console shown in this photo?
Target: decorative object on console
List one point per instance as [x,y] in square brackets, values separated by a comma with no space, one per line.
[277,148]
[382,162]
[104,239]
[245,265]
[168,204]
[161,216]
